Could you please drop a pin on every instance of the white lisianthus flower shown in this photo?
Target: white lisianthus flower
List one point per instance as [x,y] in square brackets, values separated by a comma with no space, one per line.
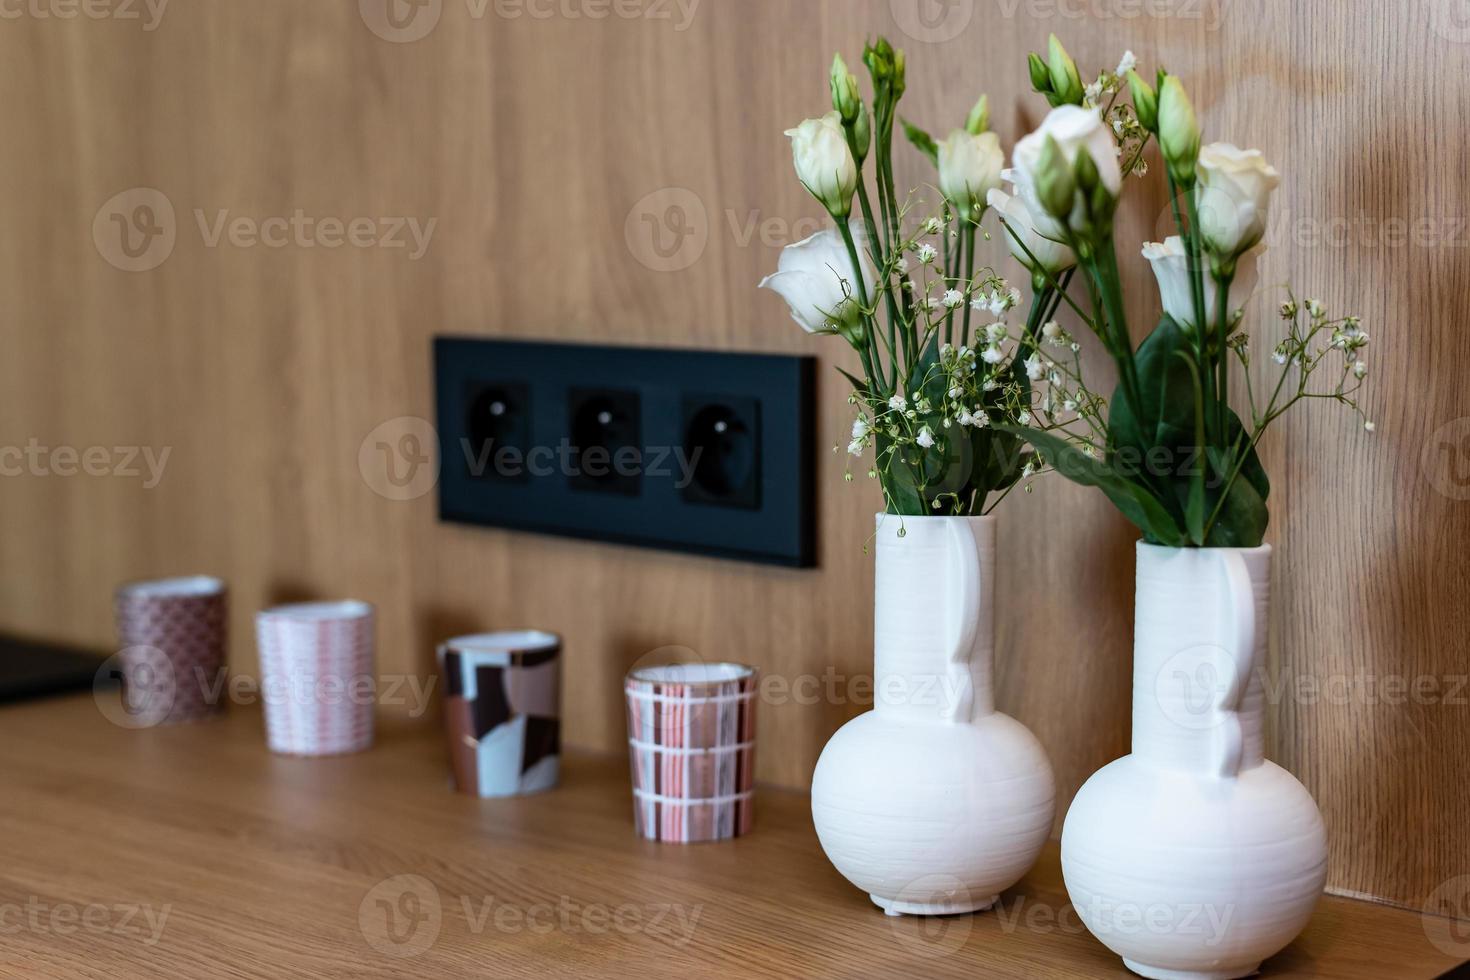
[824,162]
[814,277]
[1235,188]
[969,168]
[1171,268]
[1034,368]
[1076,130]
[925,438]
[1053,257]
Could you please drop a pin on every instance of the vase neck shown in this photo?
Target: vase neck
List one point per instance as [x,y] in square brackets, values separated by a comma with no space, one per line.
[1199,644]
[933,624]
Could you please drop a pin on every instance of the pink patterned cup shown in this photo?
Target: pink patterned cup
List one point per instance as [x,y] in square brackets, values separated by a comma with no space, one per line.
[316,672]
[691,742]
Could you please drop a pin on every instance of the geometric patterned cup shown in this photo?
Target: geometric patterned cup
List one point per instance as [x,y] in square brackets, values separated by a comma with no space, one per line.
[171,638]
[316,674]
[691,742]
[502,711]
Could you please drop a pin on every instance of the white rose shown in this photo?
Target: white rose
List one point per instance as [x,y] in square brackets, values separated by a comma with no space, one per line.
[814,277]
[1054,257]
[1076,130]
[1235,188]
[824,162]
[1171,268]
[969,168]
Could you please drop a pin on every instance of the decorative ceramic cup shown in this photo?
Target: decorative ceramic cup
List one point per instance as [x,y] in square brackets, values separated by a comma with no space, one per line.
[502,710]
[691,740]
[316,671]
[171,636]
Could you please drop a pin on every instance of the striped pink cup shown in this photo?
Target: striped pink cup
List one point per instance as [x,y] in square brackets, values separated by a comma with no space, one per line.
[691,741]
[172,648]
[316,674]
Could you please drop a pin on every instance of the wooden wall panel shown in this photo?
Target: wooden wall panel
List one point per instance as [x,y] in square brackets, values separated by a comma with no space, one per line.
[531,140]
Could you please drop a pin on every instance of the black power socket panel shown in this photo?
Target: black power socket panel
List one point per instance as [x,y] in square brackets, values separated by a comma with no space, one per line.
[698,451]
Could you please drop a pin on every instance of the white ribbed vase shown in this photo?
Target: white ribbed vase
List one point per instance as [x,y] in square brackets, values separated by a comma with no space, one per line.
[1194,857]
[933,802]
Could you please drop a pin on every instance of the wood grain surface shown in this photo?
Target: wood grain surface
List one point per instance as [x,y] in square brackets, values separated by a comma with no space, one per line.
[541,139]
[191,851]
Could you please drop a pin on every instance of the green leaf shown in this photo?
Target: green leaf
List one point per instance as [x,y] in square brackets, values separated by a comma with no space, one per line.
[922,141]
[858,385]
[1136,502]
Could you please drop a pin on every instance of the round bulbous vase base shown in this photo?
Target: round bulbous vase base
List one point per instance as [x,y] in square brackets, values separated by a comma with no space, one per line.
[891,907]
[1159,973]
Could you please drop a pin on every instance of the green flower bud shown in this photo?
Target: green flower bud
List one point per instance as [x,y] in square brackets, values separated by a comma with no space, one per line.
[899,63]
[1145,102]
[1085,171]
[978,121]
[1066,84]
[1040,77]
[1055,185]
[845,97]
[1178,132]
[862,134]
[878,56]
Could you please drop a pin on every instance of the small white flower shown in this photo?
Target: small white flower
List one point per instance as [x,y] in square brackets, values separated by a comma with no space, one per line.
[956,391]
[1369,426]
[1075,347]
[1069,405]
[981,419]
[992,355]
[1024,418]
[990,384]
[898,403]
[1028,470]
[926,253]
[953,298]
[965,418]
[1279,356]
[995,303]
[996,332]
[930,303]
[1359,369]
[925,438]
[1126,64]
[979,303]
[855,448]
[859,427]
[901,264]
[1092,93]
[1089,452]
[932,226]
[1013,297]
[1034,368]
[1051,330]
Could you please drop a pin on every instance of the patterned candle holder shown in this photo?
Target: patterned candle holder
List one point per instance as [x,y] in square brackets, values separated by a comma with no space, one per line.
[171,636]
[503,711]
[691,741]
[316,672]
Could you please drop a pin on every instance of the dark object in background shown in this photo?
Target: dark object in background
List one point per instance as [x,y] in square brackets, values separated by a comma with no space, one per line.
[33,669]
[703,451]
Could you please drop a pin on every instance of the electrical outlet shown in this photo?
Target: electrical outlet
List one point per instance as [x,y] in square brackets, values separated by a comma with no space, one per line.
[700,451]
[722,443]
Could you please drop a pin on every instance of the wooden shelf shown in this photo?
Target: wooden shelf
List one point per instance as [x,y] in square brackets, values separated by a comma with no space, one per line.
[268,866]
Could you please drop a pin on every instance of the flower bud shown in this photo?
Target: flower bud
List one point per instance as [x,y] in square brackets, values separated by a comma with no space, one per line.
[1055,184]
[1145,102]
[899,63]
[878,56]
[1178,132]
[969,168]
[845,97]
[1040,77]
[1066,84]
[824,162]
[978,121]
[862,133]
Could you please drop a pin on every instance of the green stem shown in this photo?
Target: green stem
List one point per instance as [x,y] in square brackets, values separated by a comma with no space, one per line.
[968,247]
[875,378]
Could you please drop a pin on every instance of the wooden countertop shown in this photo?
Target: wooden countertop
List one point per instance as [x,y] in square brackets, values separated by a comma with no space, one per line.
[192,851]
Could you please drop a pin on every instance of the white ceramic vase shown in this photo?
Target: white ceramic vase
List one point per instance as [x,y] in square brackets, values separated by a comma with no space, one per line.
[933,802]
[1194,857]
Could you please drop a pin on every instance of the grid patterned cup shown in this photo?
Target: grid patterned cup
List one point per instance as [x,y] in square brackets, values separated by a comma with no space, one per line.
[502,710]
[691,742]
[316,666]
[171,635]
